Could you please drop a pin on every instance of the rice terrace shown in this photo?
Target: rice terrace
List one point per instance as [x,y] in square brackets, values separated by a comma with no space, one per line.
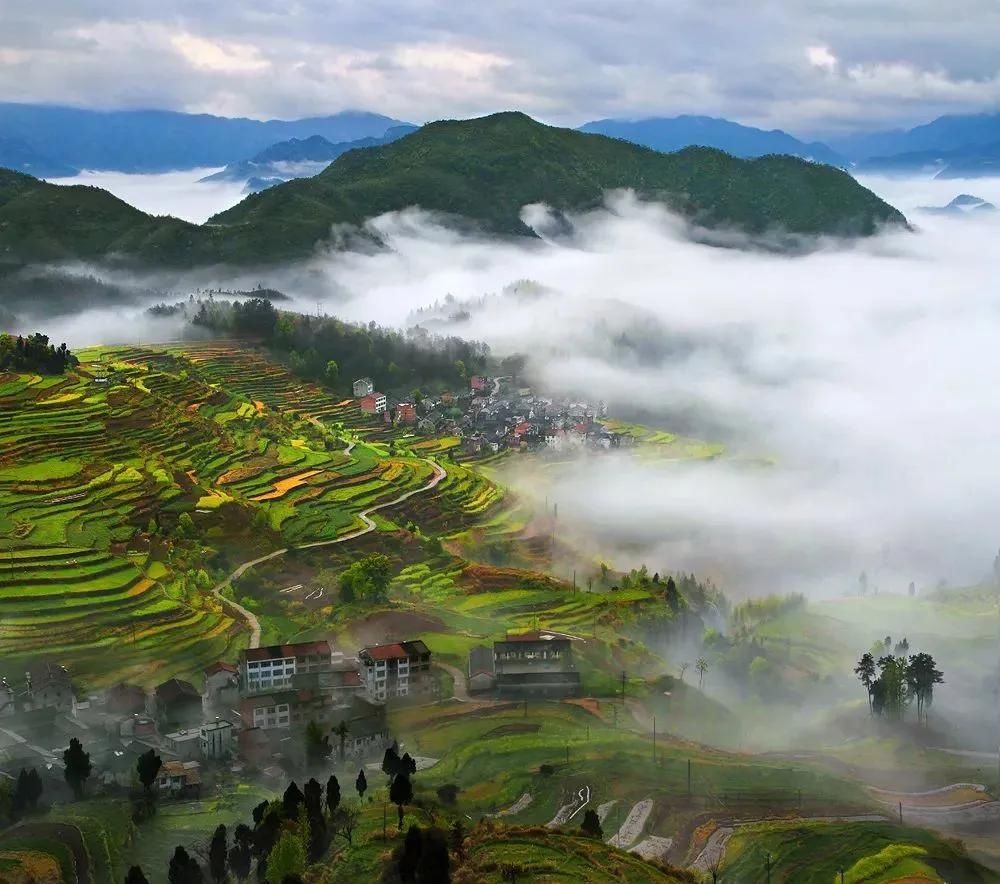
[565,453]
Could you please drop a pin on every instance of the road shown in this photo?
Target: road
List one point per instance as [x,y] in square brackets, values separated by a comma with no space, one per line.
[461,688]
[368,525]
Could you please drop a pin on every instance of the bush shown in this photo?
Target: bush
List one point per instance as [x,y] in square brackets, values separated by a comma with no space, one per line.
[448,794]
[546,770]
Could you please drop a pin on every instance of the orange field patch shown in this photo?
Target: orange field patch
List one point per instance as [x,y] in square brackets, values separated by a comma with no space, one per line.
[283,486]
[239,474]
[259,406]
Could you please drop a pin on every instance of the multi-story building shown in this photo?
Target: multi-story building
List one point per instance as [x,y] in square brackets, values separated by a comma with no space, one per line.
[363,387]
[535,663]
[406,413]
[373,403]
[285,685]
[397,670]
[216,739]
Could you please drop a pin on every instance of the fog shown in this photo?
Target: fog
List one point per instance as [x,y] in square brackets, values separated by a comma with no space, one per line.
[852,387]
[180,194]
[862,375]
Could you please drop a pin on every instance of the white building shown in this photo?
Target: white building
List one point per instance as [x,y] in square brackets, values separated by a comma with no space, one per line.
[363,387]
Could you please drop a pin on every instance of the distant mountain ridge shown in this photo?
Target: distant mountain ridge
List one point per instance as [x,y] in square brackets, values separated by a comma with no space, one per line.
[947,133]
[675,133]
[157,141]
[482,171]
[300,157]
[20,156]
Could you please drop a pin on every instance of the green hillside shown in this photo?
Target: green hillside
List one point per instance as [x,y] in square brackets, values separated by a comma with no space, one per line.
[487,169]
[482,170]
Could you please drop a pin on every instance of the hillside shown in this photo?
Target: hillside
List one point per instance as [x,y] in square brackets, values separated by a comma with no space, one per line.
[487,169]
[22,157]
[675,133]
[483,171]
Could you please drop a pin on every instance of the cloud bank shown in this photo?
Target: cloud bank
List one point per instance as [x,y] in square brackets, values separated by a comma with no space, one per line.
[853,387]
[809,66]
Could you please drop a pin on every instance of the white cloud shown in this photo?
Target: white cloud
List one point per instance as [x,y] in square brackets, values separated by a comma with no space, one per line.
[223,57]
[821,57]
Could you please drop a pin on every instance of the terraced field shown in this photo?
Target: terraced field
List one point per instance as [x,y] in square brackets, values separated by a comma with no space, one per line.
[119,479]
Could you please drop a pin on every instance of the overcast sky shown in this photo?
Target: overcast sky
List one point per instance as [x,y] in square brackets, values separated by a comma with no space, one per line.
[810,66]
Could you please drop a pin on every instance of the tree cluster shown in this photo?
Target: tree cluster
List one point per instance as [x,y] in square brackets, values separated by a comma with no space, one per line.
[367,578]
[34,353]
[893,681]
[394,360]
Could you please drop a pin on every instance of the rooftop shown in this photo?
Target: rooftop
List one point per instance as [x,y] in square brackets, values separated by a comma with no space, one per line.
[220,666]
[294,649]
[176,689]
[386,652]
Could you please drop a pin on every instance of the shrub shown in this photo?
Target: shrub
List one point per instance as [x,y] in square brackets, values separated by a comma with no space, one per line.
[448,794]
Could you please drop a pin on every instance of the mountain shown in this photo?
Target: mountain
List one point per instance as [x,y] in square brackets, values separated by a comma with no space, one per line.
[156,141]
[948,133]
[22,157]
[971,161]
[300,157]
[487,169]
[963,204]
[483,171]
[674,133]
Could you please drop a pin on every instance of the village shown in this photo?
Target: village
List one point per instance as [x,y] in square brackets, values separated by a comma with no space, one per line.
[497,414]
[250,717]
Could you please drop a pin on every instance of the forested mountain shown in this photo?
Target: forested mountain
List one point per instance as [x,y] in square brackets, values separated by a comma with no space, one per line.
[949,133]
[22,157]
[483,171]
[153,140]
[676,133]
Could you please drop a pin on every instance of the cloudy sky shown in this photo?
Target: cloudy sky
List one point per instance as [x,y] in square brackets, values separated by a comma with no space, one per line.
[811,66]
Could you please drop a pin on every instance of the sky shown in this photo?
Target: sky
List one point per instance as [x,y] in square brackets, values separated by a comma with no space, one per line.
[813,67]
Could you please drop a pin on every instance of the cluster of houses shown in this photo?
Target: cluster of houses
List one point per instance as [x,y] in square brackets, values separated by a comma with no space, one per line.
[252,713]
[495,414]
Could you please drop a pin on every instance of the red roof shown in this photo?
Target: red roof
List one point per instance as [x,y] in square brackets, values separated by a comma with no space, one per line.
[298,649]
[522,428]
[351,680]
[220,666]
[386,652]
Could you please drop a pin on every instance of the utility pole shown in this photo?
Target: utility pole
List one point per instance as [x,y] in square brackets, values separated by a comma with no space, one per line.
[767,865]
[689,778]
[654,739]
[623,686]
[384,806]
[901,813]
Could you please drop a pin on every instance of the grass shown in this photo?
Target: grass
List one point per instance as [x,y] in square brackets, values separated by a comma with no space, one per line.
[869,852]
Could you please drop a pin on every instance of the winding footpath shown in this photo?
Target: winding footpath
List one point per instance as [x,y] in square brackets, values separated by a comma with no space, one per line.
[368,526]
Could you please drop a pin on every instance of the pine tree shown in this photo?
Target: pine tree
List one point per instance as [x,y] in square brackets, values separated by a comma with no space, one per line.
[77,767]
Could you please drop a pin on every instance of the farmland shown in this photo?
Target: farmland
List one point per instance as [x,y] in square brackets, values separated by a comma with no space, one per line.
[128,484]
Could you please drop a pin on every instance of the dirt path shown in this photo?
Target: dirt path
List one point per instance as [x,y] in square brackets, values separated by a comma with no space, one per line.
[604,809]
[249,617]
[461,687]
[654,847]
[517,806]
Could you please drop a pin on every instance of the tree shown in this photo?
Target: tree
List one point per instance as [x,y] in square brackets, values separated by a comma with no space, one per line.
[318,747]
[287,858]
[863,583]
[400,793]
[702,667]
[148,767]
[184,869]
[345,821]
[894,686]
[409,855]
[332,373]
[341,732]
[913,589]
[591,825]
[218,866]
[434,864]
[902,648]
[241,853]
[672,596]
[865,671]
[185,527]
[683,668]
[313,793]
[291,801]
[391,762]
[332,795]
[407,765]
[922,674]
[27,792]
[361,784]
[368,578]
[77,766]
[135,876]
